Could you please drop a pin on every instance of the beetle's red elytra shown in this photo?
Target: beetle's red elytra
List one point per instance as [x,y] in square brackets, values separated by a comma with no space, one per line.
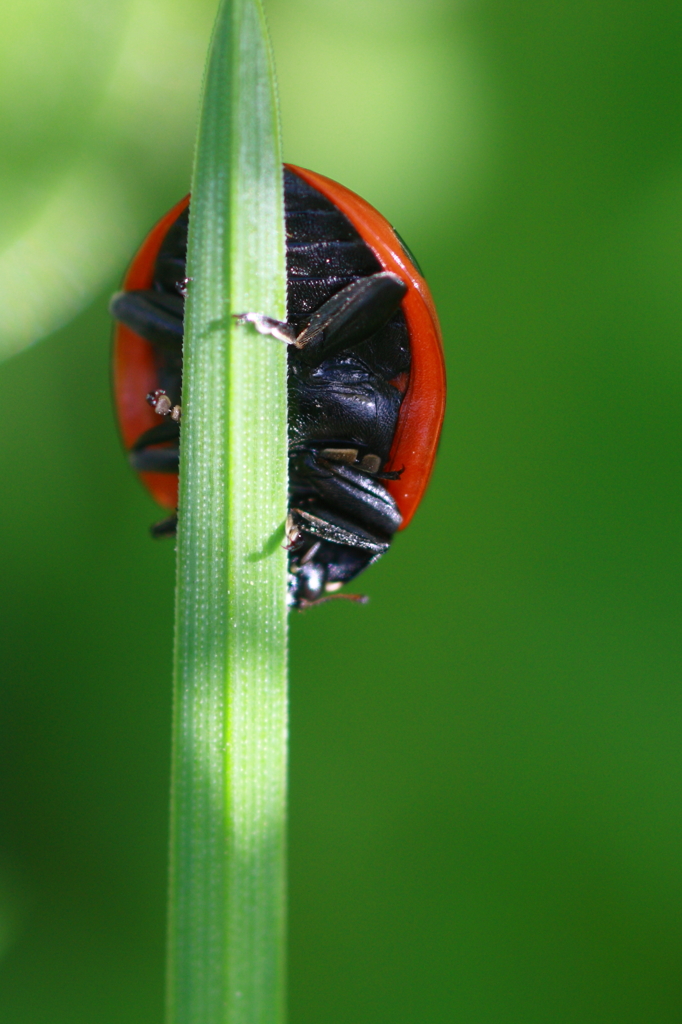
[136,361]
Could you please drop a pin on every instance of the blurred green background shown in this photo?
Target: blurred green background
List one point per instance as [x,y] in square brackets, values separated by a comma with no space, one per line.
[486,767]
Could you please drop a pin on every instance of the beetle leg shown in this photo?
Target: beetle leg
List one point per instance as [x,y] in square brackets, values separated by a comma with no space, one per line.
[352,315]
[347,488]
[166,528]
[155,316]
[323,524]
[146,457]
[154,460]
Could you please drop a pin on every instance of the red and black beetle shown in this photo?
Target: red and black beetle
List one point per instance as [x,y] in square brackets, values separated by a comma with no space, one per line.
[366,377]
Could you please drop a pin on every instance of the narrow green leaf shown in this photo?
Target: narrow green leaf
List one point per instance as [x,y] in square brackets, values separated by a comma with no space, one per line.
[227,928]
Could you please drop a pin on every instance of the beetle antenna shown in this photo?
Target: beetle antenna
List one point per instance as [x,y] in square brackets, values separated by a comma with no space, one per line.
[356,598]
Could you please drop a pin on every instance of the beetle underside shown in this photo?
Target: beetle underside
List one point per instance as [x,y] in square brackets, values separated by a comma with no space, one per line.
[349,361]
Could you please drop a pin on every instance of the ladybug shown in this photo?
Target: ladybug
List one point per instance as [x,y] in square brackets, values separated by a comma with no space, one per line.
[366,377]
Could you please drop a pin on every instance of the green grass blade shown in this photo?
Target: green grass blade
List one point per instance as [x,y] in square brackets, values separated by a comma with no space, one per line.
[227,929]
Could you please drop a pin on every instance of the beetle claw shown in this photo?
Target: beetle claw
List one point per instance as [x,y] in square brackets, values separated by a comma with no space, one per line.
[267,325]
[162,405]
